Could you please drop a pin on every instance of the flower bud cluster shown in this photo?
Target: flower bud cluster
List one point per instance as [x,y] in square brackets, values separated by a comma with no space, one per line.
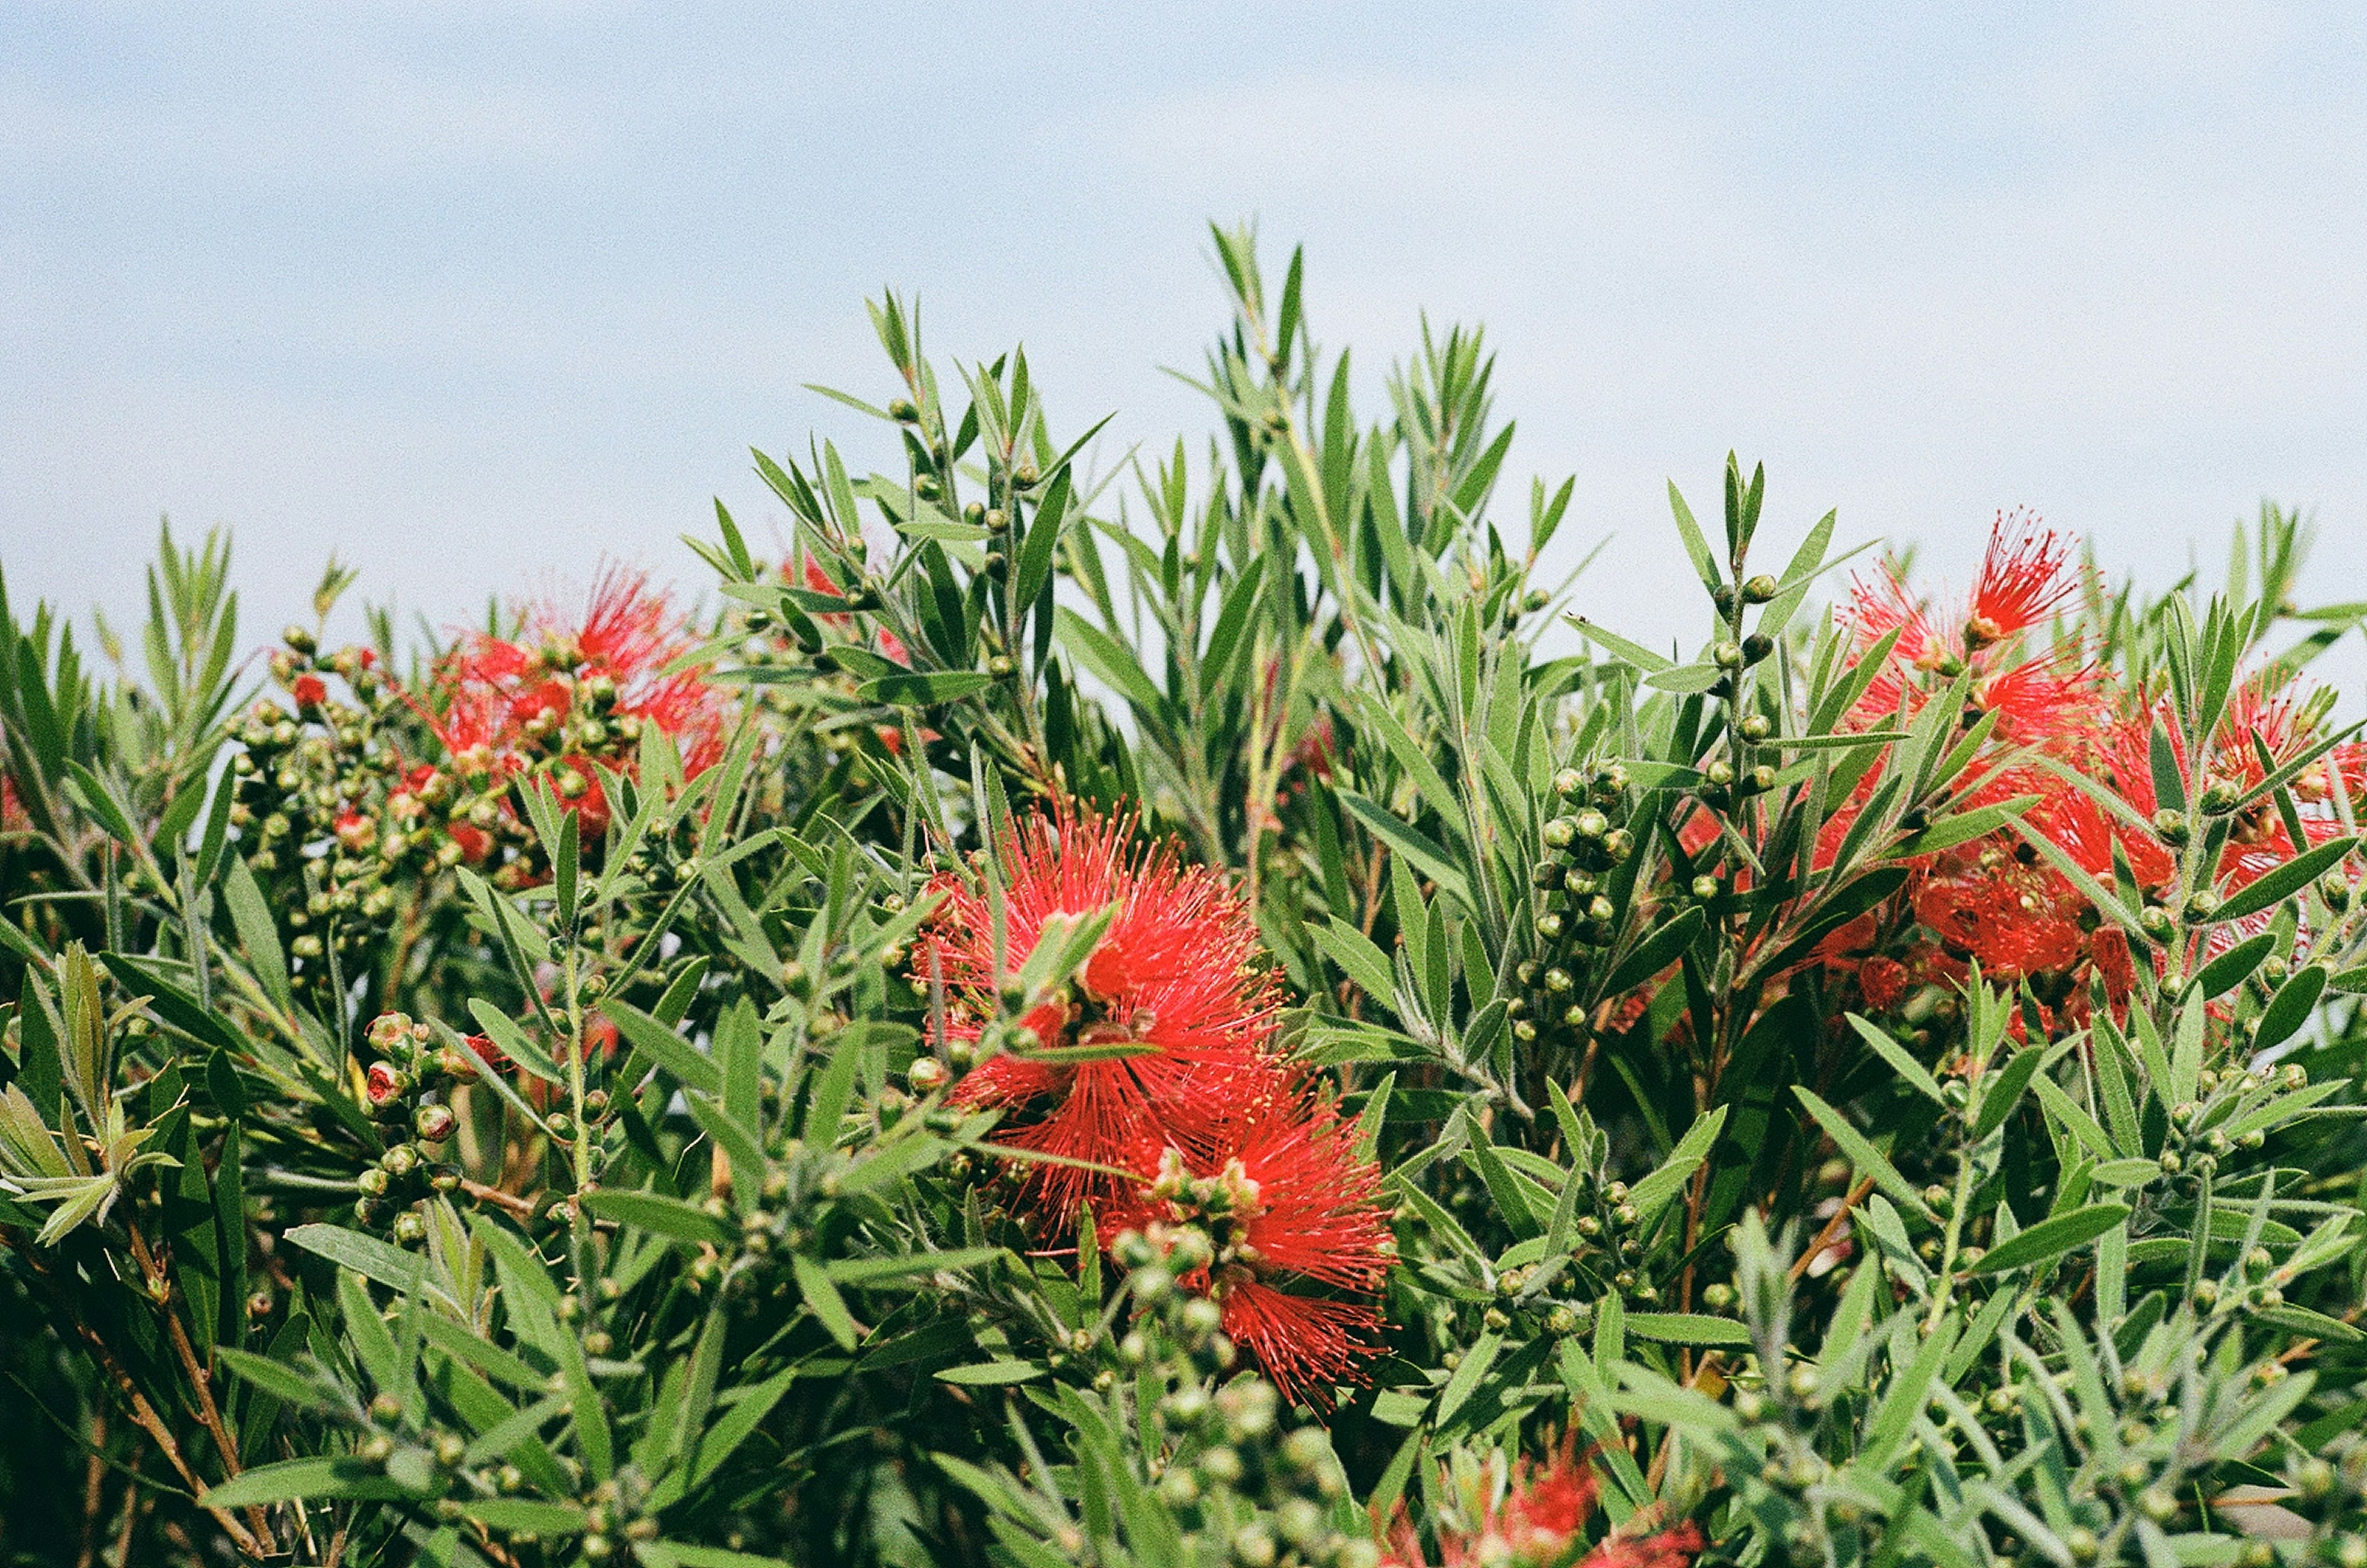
[322,818]
[1582,847]
[2233,1114]
[1240,1481]
[409,1088]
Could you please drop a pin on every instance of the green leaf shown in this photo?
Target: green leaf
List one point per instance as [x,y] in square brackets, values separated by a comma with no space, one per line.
[2302,1320]
[1360,958]
[2050,1239]
[1696,546]
[862,1271]
[1902,1060]
[2003,1093]
[920,691]
[1896,1414]
[364,1255]
[1656,952]
[1687,1328]
[827,1304]
[521,1514]
[658,1214]
[2234,967]
[333,1476]
[257,933]
[1665,1182]
[991,1374]
[1414,845]
[679,1554]
[282,1381]
[512,1041]
[2284,882]
[732,1428]
[1962,828]
[1853,1145]
[738,1144]
[1467,1377]
[1634,653]
[691,1068]
[2291,1007]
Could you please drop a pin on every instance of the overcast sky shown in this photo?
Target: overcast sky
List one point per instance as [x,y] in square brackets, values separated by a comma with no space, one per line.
[475,293]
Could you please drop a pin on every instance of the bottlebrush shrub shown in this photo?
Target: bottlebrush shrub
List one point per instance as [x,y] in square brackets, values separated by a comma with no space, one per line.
[1188,1015]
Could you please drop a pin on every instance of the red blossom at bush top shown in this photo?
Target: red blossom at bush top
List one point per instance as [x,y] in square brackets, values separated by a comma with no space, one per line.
[1172,974]
[501,706]
[1289,1204]
[1993,902]
[1996,902]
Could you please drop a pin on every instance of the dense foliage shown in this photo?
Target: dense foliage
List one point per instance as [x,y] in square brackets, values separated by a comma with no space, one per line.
[1191,1015]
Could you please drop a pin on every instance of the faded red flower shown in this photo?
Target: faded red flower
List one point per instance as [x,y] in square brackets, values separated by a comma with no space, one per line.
[1172,975]
[381,1082]
[1883,981]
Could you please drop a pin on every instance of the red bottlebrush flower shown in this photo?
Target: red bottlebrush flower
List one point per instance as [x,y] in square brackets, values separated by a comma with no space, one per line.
[1307,1344]
[1533,1518]
[501,706]
[1171,974]
[2014,921]
[816,579]
[1313,752]
[2108,950]
[2041,703]
[2024,579]
[308,689]
[1286,1198]
[2262,714]
[1673,1548]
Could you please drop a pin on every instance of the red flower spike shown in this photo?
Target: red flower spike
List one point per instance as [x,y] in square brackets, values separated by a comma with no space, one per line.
[2041,703]
[499,707]
[1284,1197]
[1172,974]
[2025,579]
[1534,1520]
[1674,1548]
[1307,1344]
[309,690]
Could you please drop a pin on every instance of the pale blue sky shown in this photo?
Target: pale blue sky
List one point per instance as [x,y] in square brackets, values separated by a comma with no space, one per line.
[470,292]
